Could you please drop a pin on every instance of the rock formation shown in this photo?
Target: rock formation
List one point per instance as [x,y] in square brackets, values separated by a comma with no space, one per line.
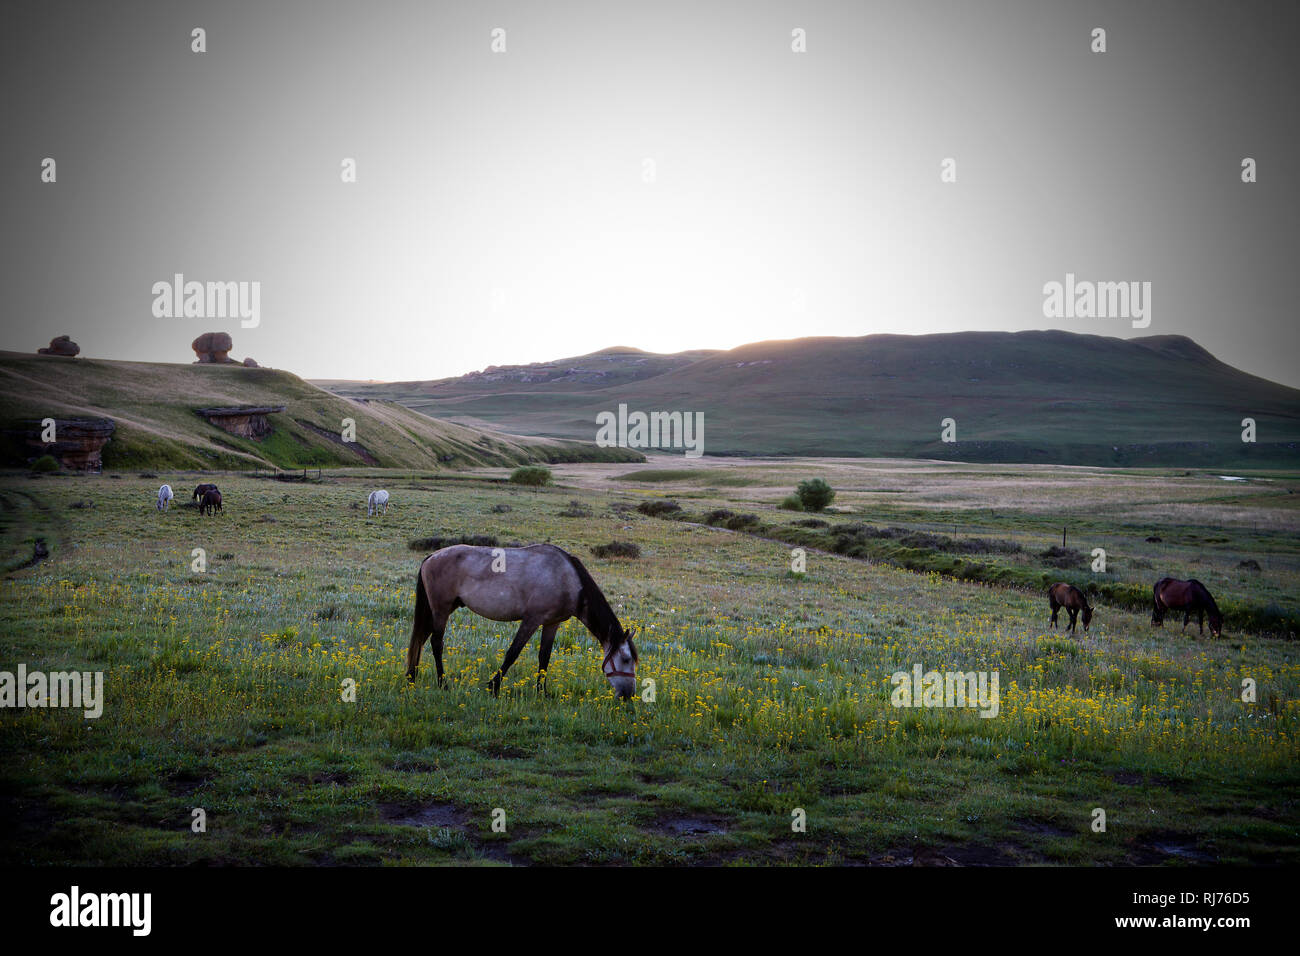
[247,421]
[61,346]
[78,441]
[249,363]
[213,348]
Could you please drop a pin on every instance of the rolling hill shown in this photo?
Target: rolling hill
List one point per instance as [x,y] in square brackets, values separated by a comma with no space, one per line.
[154,407]
[1042,396]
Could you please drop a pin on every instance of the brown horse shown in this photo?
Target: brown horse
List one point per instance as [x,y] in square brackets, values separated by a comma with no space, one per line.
[202,490]
[1062,595]
[211,502]
[539,586]
[1190,597]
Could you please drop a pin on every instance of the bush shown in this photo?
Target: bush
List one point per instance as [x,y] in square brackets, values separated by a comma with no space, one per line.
[617,549]
[1064,557]
[45,464]
[658,507]
[791,503]
[723,518]
[500,509]
[534,475]
[814,494]
[576,509]
[438,542]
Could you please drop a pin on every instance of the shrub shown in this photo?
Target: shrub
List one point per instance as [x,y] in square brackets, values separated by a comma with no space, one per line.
[723,518]
[576,509]
[657,507]
[438,542]
[815,494]
[791,503]
[1064,557]
[45,464]
[617,549]
[500,509]
[534,475]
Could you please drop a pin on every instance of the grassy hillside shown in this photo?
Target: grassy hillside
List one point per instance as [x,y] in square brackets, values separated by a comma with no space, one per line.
[1050,397]
[154,406]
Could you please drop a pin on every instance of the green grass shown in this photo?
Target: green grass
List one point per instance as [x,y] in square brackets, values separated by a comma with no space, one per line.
[772,692]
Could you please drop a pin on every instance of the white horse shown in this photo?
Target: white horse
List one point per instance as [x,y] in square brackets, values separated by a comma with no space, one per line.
[377,500]
[164,497]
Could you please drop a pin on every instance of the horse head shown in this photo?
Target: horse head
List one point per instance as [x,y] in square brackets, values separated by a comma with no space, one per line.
[1216,623]
[619,665]
[1087,616]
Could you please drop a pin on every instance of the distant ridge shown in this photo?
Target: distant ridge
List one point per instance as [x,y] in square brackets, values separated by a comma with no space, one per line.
[1038,396]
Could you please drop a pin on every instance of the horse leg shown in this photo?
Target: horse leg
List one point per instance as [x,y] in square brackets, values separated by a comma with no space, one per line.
[1200,620]
[1074,617]
[435,644]
[1056,609]
[544,654]
[1187,615]
[526,629]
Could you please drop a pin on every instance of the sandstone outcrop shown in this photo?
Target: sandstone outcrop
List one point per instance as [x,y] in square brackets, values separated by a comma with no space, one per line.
[62,345]
[78,441]
[246,421]
[213,348]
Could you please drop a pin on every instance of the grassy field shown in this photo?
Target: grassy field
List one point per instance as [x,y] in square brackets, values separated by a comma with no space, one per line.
[772,689]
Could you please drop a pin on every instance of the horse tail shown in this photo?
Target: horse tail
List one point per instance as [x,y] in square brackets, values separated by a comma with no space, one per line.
[421,626]
[1156,616]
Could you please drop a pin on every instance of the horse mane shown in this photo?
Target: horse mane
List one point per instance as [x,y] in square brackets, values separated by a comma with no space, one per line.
[592,606]
[1204,593]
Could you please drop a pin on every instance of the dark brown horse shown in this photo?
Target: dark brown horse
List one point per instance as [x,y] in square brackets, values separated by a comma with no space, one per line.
[211,502]
[1190,597]
[1062,595]
[539,586]
[202,490]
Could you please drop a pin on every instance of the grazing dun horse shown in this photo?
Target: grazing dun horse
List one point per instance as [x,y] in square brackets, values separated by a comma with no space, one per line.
[377,500]
[1190,597]
[211,502]
[164,497]
[202,490]
[539,586]
[1062,595]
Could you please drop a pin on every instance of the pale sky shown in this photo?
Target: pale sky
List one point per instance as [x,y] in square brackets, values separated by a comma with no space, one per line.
[502,211]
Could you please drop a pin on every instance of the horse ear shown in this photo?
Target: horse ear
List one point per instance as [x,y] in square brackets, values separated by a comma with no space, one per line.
[627,635]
